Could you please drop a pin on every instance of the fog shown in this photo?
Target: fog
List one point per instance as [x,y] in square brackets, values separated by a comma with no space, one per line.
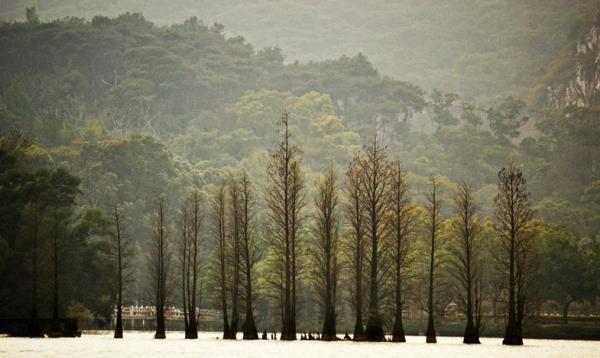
[383,168]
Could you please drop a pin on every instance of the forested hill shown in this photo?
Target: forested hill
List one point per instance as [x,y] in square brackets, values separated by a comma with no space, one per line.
[204,102]
[481,49]
[110,111]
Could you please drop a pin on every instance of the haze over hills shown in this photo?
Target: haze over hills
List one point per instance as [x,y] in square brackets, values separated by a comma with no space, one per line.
[149,113]
[483,50]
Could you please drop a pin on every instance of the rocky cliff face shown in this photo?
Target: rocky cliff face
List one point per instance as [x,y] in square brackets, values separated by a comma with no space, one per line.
[574,78]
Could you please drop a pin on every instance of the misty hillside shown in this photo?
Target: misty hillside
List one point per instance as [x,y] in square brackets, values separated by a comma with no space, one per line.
[299,130]
[483,50]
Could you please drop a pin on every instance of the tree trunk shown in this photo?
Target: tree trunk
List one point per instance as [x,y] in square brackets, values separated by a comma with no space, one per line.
[250,332]
[161,275]
[374,330]
[192,321]
[359,332]
[566,312]
[34,329]
[431,335]
[512,336]
[119,322]
[160,324]
[55,324]
[398,329]
[471,335]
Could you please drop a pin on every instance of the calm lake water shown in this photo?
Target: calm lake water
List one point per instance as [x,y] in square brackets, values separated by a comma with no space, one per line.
[141,344]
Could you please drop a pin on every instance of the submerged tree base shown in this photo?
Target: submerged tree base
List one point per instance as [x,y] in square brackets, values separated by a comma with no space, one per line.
[329,337]
[431,336]
[359,337]
[359,333]
[471,340]
[471,335]
[250,332]
[288,336]
[191,334]
[398,335]
[250,335]
[374,330]
[119,326]
[513,336]
[229,335]
[513,341]
[34,329]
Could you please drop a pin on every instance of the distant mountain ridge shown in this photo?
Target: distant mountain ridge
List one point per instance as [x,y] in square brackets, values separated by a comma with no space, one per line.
[483,50]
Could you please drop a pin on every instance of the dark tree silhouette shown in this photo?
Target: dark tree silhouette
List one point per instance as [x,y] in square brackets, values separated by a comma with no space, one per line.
[285,201]
[219,230]
[50,193]
[355,245]
[325,251]
[194,215]
[160,257]
[63,190]
[234,258]
[183,254]
[513,215]
[400,224]
[249,251]
[121,252]
[36,190]
[191,222]
[432,210]
[467,268]
[375,173]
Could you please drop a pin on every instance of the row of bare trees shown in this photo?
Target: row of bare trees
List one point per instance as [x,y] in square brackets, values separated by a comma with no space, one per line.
[381,236]
[232,223]
[367,229]
[159,257]
[189,251]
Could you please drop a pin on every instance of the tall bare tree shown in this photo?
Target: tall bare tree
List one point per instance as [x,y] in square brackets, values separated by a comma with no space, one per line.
[434,221]
[160,259]
[325,250]
[285,201]
[355,245]
[121,252]
[219,226]
[195,222]
[249,251]
[36,210]
[375,172]
[401,225]
[183,255]
[189,250]
[512,218]
[56,246]
[234,259]
[466,230]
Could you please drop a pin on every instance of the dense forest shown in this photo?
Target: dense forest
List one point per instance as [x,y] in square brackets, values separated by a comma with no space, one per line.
[481,49]
[114,129]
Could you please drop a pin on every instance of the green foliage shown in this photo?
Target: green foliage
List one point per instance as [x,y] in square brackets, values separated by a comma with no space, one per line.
[440,106]
[47,198]
[483,49]
[506,119]
[567,274]
[125,110]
